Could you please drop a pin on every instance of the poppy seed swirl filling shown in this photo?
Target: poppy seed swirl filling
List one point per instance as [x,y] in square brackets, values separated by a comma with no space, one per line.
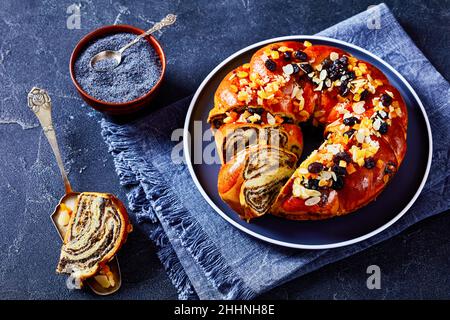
[95,232]
[244,137]
[266,171]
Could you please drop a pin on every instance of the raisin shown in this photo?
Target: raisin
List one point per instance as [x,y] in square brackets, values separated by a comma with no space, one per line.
[326,63]
[340,171]
[390,168]
[383,128]
[349,133]
[323,199]
[334,72]
[287,120]
[256,110]
[364,95]
[296,68]
[313,184]
[386,100]
[339,65]
[270,65]
[306,68]
[300,55]
[344,90]
[369,163]
[343,60]
[342,156]
[315,167]
[338,184]
[351,75]
[350,121]
[217,123]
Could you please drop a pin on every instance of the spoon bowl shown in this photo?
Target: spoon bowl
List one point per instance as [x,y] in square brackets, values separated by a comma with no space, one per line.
[106,60]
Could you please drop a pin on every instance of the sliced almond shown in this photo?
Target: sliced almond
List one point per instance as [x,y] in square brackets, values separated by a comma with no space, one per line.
[303,171]
[299,94]
[296,190]
[376,124]
[295,90]
[288,69]
[311,193]
[270,119]
[347,114]
[333,148]
[301,101]
[111,280]
[316,80]
[63,218]
[103,281]
[312,201]
[334,56]
[327,175]
[319,87]
[360,137]
[358,107]
[333,174]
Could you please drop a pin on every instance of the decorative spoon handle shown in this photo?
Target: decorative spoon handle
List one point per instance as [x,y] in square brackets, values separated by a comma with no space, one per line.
[40,103]
[167,21]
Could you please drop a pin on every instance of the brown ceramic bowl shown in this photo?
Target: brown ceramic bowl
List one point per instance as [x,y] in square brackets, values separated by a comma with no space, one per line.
[116,107]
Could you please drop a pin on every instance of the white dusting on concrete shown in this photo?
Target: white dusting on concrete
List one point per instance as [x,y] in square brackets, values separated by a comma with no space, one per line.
[22,124]
[122,10]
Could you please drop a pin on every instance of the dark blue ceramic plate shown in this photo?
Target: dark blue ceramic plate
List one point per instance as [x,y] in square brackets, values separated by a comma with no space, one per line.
[392,203]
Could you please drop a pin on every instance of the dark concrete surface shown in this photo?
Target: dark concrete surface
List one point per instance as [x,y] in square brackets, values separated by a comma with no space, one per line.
[35,47]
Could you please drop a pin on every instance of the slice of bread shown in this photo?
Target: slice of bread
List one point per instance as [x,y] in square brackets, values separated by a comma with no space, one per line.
[97,229]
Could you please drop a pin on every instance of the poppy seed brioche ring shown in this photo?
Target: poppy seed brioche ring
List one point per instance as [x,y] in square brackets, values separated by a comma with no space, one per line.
[258,107]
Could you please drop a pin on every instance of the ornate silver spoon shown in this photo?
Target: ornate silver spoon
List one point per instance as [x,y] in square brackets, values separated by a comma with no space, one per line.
[40,103]
[114,58]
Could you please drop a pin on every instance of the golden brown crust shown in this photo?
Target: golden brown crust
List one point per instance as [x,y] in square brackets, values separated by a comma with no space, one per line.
[225,98]
[330,87]
[360,188]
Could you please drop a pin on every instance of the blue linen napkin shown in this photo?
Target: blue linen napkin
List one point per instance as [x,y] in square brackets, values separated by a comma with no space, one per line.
[207,258]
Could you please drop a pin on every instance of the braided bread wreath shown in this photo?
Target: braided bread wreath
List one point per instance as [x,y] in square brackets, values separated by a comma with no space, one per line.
[257,111]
